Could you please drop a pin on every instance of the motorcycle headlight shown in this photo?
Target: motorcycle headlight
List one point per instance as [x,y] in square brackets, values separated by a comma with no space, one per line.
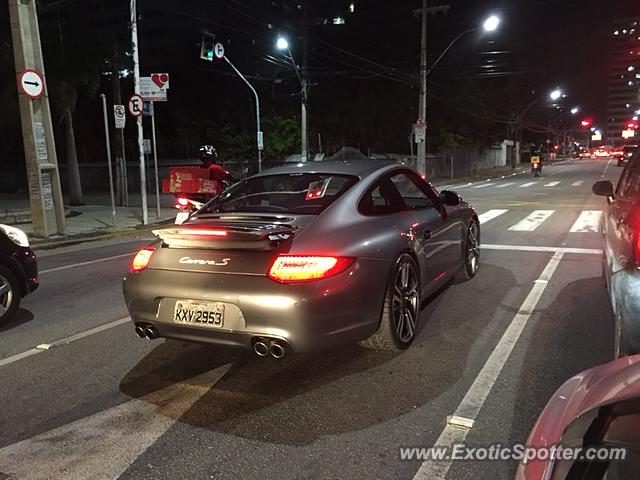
[16,235]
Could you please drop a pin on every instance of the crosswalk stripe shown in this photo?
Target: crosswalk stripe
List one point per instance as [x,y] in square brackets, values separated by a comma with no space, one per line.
[552,184]
[528,184]
[490,215]
[104,445]
[578,183]
[484,185]
[588,221]
[533,221]
[503,185]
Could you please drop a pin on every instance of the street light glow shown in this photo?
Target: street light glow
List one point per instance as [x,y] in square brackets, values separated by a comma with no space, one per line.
[491,23]
[575,110]
[556,94]
[282,43]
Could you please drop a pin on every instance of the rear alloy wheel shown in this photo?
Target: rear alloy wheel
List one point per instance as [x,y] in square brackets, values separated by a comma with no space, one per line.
[9,294]
[471,254]
[401,310]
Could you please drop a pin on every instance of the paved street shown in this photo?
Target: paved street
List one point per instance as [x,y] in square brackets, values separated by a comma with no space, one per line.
[83,397]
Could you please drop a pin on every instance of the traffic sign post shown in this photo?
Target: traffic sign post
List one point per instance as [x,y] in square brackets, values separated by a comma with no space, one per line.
[31,83]
[119,116]
[136,105]
[218,51]
[420,122]
[419,134]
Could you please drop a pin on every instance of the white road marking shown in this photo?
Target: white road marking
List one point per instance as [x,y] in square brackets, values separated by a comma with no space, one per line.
[552,184]
[533,221]
[490,215]
[528,184]
[63,341]
[104,445]
[535,248]
[504,185]
[484,185]
[578,183]
[606,168]
[475,397]
[82,264]
[588,221]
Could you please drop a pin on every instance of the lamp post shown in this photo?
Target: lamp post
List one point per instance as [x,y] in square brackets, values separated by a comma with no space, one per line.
[283,44]
[489,25]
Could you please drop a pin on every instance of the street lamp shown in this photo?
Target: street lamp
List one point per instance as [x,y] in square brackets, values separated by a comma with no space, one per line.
[489,25]
[555,94]
[283,44]
[575,110]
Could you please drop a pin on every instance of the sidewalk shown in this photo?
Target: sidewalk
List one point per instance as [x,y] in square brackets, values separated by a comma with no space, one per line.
[88,222]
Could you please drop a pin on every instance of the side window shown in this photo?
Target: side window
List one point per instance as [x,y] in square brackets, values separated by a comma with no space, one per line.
[382,198]
[413,195]
[629,183]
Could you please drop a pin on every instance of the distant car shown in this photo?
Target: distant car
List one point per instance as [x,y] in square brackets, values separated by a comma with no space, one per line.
[18,270]
[584,153]
[305,257]
[620,230]
[602,152]
[625,153]
[598,408]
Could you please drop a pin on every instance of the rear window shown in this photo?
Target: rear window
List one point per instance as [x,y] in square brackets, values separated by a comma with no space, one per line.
[294,193]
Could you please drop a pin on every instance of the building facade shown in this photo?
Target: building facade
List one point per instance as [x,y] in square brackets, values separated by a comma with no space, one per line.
[624,79]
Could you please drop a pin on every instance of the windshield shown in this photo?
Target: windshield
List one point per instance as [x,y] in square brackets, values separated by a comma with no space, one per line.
[299,193]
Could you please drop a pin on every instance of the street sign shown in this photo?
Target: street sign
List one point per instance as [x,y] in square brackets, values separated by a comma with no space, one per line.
[420,134]
[154,87]
[119,116]
[147,110]
[421,122]
[628,133]
[135,105]
[260,140]
[146,143]
[31,83]
[218,50]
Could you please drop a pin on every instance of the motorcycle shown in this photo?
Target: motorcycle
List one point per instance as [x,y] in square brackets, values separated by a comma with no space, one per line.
[536,166]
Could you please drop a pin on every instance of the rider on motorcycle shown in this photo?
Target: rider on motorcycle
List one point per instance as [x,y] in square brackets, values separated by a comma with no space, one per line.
[536,159]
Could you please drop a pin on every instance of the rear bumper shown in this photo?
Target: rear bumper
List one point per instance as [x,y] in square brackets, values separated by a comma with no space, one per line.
[308,317]
[625,287]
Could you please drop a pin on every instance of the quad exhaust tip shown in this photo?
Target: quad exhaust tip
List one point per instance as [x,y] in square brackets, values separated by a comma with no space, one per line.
[264,347]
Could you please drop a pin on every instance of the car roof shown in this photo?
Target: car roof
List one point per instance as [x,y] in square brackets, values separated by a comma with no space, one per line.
[359,168]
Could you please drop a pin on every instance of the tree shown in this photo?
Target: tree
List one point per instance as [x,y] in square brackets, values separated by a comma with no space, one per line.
[64,98]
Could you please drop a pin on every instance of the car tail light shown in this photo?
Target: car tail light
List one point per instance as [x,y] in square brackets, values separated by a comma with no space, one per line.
[182,202]
[141,260]
[204,233]
[305,268]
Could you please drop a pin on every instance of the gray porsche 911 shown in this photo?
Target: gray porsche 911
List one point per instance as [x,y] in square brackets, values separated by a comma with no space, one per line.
[305,257]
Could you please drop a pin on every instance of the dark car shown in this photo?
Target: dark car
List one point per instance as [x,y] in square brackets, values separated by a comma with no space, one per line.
[596,412]
[18,270]
[625,153]
[620,229]
[305,257]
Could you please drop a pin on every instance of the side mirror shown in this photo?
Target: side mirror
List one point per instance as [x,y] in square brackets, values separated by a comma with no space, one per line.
[451,199]
[603,188]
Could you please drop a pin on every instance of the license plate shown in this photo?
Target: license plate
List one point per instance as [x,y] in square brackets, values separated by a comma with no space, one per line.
[181,217]
[199,313]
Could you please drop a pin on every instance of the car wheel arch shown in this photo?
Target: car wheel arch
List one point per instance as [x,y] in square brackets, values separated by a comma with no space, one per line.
[17,271]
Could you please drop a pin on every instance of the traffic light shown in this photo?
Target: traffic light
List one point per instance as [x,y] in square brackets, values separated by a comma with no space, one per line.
[206,49]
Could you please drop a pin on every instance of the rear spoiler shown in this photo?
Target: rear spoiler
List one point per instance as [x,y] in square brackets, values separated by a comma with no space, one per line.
[227,237]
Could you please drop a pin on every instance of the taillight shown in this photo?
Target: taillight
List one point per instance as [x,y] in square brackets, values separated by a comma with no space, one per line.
[182,202]
[141,260]
[204,233]
[305,268]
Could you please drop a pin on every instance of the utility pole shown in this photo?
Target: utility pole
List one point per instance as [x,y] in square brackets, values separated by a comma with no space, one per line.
[422,107]
[136,89]
[305,84]
[45,194]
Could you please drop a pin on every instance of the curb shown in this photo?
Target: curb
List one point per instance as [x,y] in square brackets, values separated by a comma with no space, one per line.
[92,237]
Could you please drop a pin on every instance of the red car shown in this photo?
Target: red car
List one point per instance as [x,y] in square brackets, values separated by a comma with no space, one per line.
[599,407]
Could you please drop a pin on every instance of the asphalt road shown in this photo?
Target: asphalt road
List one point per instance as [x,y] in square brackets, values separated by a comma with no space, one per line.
[94,401]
